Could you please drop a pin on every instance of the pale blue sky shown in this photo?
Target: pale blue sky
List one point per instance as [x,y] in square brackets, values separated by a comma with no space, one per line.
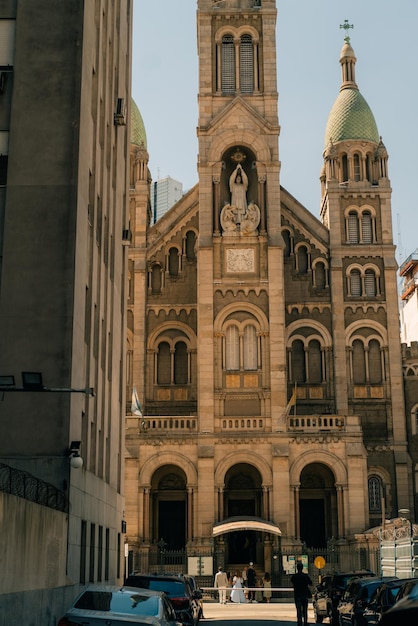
[309,40]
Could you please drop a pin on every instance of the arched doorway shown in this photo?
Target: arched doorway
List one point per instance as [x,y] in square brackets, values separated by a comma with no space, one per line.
[317,505]
[169,507]
[243,497]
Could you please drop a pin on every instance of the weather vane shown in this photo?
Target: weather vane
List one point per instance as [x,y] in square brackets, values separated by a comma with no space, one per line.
[346,26]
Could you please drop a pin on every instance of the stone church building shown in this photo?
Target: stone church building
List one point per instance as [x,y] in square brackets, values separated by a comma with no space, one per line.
[263,343]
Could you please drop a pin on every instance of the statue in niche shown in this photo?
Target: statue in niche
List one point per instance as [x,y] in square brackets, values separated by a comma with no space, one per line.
[239,215]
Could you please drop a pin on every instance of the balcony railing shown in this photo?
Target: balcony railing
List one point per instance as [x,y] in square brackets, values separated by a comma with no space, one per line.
[311,423]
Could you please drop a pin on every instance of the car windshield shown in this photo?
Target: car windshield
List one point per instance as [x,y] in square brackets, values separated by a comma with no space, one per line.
[131,603]
[172,588]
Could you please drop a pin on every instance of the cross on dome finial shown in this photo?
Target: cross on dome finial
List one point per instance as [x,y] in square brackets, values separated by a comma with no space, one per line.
[346,26]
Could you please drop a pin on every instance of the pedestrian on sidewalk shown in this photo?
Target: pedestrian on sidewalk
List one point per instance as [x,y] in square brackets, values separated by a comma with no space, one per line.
[251,580]
[221,583]
[301,588]
[266,583]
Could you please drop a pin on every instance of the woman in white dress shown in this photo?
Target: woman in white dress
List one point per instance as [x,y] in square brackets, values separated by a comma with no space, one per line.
[237,593]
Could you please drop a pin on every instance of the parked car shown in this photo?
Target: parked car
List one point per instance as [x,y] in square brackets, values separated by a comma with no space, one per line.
[357,598]
[383,599]
[329,593]
[185,601]
[403,613]
[409,589]
[102,605]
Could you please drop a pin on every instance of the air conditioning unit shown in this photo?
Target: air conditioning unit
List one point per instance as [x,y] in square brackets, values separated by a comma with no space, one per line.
[120,113]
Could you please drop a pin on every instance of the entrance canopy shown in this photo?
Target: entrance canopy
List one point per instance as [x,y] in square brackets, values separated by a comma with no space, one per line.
[232,524]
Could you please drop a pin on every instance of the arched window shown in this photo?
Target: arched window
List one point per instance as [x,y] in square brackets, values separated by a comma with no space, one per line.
[250,348]
[344,164]
[232,348]
[286,239]
[173,262]
[375,363]
[246,64]
[164,364]
[370,283]
[180,364]
[357,167]
[359,363]
[375,494]
[190,245]
[298,362]
[314,362]
[367,227]
[352,227]
[303,260]
[156,279]
[320,276]
[355,283]
[228,65]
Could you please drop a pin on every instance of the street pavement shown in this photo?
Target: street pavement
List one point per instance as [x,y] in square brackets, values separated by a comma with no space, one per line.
[283,613]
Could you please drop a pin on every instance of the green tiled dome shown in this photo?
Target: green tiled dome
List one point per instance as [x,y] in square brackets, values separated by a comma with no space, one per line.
[138,134]
[351,118]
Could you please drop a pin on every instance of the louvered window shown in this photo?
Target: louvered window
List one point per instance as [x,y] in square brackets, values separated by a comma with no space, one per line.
[314,362]
[366,227]
[246,64]
[356,164]
[370,283]
[250,348]
[228,65]
[232,348]
[355,283]
[353,229]
[298,362]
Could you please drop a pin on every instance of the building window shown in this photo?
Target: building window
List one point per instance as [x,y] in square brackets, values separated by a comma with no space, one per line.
[156,279]
[246,64]
[180,364]
[352,228]
[370,283]
[228,65]
[163,364]
[232,348]
[357,167]
[172,364]
[173,262]
[375,494]
[355,283]
[298,362]
[359,363]
[190,245]
[250,348]
[367,227]
[315,374]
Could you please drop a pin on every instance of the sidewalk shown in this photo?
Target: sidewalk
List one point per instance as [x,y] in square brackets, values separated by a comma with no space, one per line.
[261,610]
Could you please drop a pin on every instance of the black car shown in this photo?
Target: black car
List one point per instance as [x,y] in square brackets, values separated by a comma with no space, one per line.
[403,613]
[357,598]
[329,593]
[384,598]
[185,600]
[409,589]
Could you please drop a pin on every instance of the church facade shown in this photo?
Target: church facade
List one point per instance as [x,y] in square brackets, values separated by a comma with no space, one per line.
[263,343]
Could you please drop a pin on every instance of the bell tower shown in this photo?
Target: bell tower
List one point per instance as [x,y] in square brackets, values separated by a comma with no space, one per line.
[240,263]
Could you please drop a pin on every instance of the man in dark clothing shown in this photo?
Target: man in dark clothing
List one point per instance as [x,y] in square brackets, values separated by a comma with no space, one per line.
[302,593]
[251,580]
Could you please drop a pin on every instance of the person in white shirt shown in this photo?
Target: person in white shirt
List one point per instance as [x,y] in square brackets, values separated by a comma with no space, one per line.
[221,583]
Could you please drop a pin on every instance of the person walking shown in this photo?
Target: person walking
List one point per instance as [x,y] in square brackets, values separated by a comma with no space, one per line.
[266,582]
[301,588]
[251,580]
[221,583]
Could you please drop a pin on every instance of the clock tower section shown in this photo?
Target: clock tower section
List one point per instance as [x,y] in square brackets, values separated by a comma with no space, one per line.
[241,350]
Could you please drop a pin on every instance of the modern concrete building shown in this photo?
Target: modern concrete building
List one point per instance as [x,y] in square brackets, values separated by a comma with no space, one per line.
[65,82]
[409,299]
[264,342]
[165,193]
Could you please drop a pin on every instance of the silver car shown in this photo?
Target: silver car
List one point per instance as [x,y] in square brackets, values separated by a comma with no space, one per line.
[100,605]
